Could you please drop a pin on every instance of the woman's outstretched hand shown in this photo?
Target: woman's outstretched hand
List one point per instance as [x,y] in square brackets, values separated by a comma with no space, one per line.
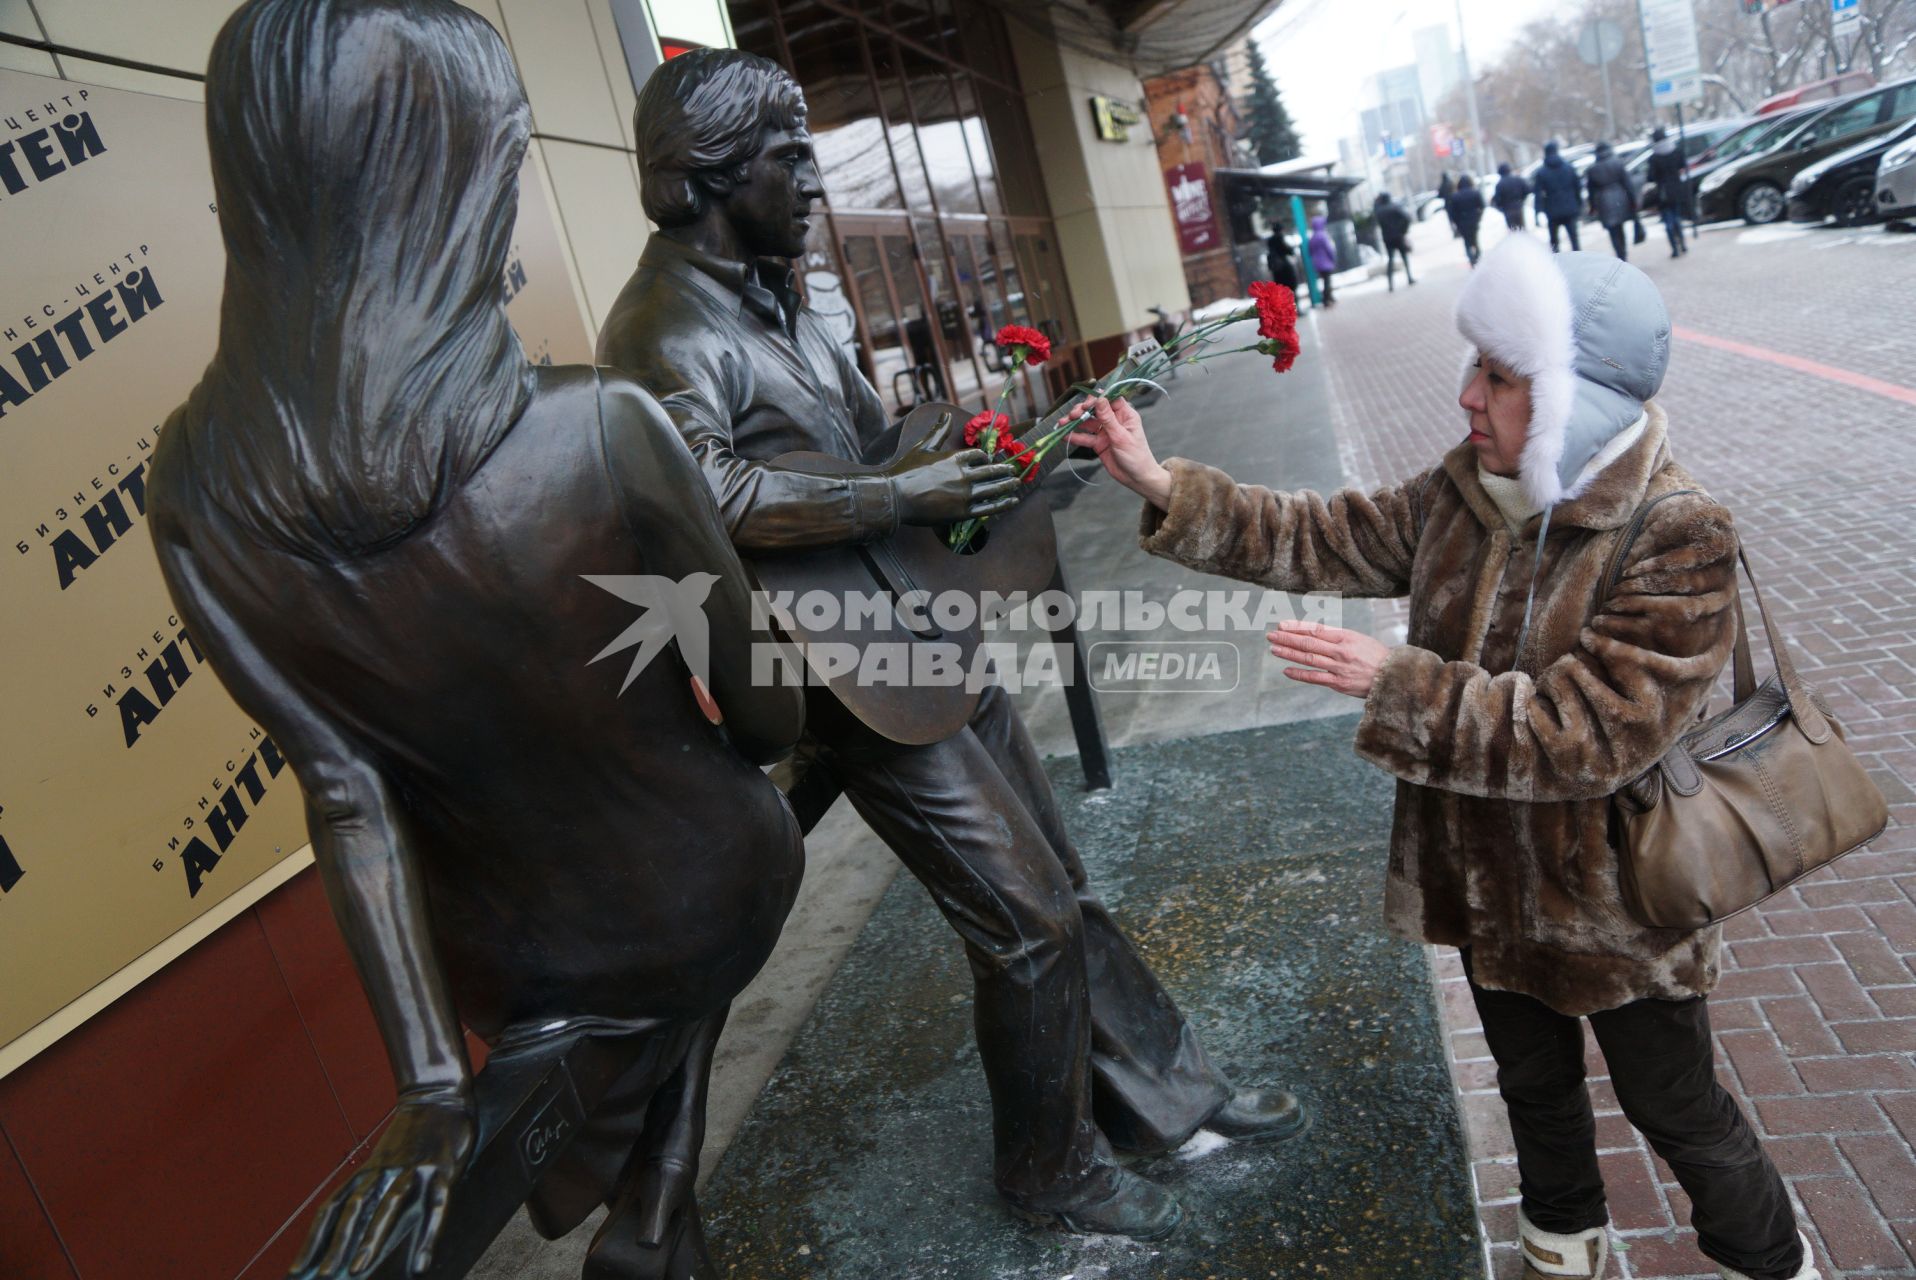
[1347,661]
[1116,434]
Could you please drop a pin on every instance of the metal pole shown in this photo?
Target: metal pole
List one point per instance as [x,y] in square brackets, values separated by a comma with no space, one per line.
[1304,235]
[1683,171]
[1609,112]
[1478,151]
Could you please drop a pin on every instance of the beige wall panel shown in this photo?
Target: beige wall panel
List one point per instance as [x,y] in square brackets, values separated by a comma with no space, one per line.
[1095,75]
[16,19]
[1040,64]
[1061,145]
[617,74]
[599,218]
[1087,265]
[88,71]
[558,55]
[1153,275]
[14,58]
[164,33]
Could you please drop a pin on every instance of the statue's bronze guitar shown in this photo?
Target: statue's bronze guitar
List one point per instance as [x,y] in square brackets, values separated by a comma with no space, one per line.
[895,685]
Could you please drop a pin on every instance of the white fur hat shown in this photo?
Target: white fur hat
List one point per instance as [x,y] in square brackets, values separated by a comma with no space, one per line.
[1590,332]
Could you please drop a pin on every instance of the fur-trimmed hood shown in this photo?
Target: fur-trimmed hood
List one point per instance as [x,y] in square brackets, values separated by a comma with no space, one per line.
[1592,335]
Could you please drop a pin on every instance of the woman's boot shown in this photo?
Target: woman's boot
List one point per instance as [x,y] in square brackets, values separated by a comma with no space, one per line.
[1549,1256]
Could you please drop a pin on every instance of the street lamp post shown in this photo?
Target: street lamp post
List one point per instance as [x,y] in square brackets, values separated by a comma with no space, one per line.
[1470,93]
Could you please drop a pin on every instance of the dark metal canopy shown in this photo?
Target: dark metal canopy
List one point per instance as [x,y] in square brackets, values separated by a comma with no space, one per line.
[1151,37]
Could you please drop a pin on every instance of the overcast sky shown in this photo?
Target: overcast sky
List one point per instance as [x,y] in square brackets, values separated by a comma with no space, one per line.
[1321,51]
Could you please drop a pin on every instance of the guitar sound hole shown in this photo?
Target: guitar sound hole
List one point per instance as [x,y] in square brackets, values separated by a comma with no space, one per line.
[977,543]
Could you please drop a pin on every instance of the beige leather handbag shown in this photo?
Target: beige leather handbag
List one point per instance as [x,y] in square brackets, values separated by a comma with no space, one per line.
[1746,803]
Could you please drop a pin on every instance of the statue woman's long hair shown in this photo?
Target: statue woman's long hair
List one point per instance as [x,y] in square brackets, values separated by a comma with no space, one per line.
[366,158]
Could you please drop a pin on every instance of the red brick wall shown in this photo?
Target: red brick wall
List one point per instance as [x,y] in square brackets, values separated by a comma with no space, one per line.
[183,1133]
[1213,124]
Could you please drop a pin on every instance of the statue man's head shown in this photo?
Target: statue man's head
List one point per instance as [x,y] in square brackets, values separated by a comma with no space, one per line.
[722,142]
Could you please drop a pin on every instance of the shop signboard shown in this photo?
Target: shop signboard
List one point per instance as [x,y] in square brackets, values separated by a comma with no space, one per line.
[1190,189]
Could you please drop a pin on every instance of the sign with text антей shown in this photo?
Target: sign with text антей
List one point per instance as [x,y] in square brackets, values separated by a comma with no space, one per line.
[139,807]
[1670,51]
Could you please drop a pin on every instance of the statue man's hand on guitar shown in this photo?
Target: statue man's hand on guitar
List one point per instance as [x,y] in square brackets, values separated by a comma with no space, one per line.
[935,486]
[399,1195]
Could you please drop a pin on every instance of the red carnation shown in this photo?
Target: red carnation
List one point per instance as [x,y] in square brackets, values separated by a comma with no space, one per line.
[1285,353]
[1276,323]
[1020,454]
[1276,310]
[987,421]
[1037,347]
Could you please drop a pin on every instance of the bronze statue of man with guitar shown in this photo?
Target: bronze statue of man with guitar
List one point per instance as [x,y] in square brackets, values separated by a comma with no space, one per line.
[1085,1053]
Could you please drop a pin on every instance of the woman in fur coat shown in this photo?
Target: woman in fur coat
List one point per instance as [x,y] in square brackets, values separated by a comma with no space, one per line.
[1526,696]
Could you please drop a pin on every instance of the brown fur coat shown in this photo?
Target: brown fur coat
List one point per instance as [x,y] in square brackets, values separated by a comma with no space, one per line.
[1500,839]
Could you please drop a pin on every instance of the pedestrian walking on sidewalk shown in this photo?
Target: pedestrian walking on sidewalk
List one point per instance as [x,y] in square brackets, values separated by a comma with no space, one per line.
[1444,189]
[1323,256]
[1510,193]
[1530,692]
[1393,226]
[1673,188]
[1466,209]
[1277,256]
[1612,197]
[1559,195]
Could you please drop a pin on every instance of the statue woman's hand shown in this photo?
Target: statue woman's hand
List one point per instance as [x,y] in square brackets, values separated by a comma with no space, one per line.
[1116,435]
[402,1189]
[1347,661]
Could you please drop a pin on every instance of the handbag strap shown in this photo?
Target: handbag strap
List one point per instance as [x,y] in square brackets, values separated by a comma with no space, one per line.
[1809,718]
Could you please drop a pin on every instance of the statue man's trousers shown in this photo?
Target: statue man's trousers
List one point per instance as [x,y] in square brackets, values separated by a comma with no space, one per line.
[1080,1043]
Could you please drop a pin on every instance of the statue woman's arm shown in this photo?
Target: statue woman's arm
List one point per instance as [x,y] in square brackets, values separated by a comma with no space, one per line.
[379,898]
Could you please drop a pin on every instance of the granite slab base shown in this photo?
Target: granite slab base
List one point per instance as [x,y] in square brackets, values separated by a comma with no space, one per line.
[1249,867]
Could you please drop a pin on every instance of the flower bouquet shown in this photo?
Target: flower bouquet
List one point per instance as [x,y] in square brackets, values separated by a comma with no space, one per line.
[1273,306]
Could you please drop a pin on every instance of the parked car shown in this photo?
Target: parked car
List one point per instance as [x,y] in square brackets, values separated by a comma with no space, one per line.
[1896,181]
[1843,186]
[1753,187]
[1817,91]
[1757,135]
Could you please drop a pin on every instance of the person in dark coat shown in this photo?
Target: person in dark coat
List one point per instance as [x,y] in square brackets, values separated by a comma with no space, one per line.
[1559,195]
[1466,209]
[1277,256]
[1444,189]
[1672,187]
[1613,198]
[1393,226]
[1509,196]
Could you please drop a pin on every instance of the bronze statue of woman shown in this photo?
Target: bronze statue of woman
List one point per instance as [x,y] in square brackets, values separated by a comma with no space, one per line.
[374,515]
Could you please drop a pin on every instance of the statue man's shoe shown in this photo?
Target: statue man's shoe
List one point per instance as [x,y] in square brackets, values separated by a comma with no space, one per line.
[1260,1115]
[1128,1206]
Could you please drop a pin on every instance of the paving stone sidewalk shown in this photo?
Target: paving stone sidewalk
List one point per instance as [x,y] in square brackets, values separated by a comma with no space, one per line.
[1816,1013]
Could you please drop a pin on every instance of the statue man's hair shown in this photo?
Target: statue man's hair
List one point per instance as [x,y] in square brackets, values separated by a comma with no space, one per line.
[704,115]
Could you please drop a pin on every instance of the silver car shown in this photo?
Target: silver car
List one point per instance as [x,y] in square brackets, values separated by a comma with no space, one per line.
[1896,180]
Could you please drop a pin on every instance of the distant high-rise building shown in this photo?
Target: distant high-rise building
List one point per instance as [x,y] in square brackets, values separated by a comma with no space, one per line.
[1440,67]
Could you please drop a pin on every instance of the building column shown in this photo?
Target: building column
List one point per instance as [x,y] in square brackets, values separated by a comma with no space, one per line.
[1116,238]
